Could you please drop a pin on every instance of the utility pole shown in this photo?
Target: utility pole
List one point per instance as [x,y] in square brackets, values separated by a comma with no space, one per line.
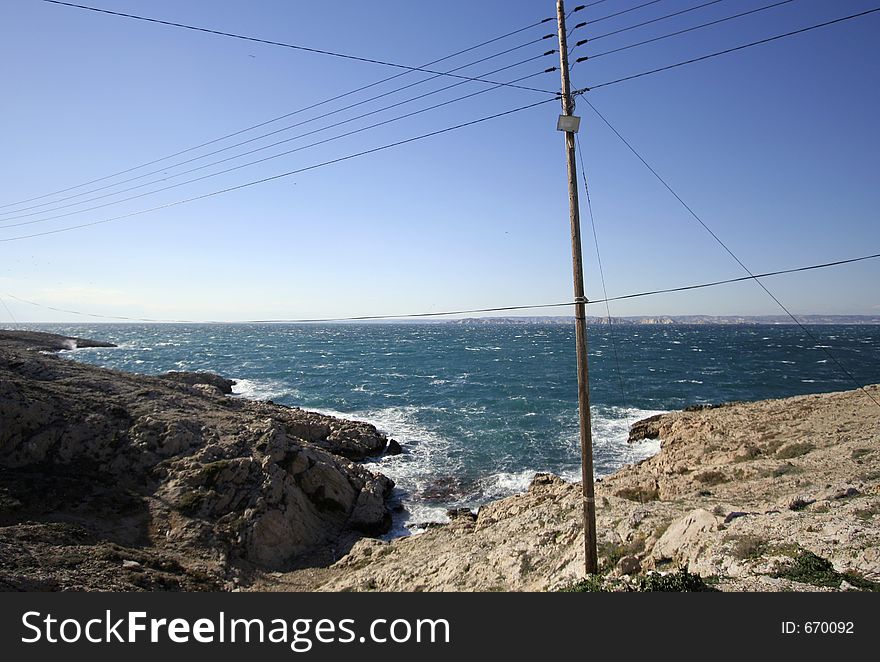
[570,124]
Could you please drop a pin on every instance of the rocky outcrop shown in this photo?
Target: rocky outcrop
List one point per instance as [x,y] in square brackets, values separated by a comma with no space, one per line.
[770,496]
[46,342]
[223,385]
[647,428]
[169,473]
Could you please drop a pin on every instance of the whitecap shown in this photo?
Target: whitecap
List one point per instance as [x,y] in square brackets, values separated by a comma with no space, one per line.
[263,389]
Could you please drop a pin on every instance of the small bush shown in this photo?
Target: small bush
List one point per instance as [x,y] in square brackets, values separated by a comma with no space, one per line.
[678,581]
[748,547]
[865,514]
[786,469]
[794,450]
[592,584]
[640,493]
[612,552]
[808,568]
[859,453]
[711,478]
[681,581]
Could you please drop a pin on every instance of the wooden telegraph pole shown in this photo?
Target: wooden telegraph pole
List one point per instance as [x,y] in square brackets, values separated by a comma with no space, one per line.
[569,124]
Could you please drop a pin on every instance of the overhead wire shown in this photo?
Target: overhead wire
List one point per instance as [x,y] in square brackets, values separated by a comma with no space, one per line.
[622,12]
[262,160]
[649,22]
[728,50]
[601,272]
[270,42]
[684,31]
[591,39]
[292,126]
[281,175]
[730,252]
[4,222]
[286,115]
[8,312]
[582,7]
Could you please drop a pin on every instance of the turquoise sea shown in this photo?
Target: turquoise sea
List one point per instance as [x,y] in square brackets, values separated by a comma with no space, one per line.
[479,408]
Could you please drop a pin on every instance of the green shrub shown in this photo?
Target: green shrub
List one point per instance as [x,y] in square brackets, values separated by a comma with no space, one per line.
[711,478]
[592,584]
[680,581]
[808,568]
[747,547]
[794,450]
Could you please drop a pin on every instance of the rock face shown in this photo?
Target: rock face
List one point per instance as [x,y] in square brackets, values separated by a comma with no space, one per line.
[716,498]
[170,476]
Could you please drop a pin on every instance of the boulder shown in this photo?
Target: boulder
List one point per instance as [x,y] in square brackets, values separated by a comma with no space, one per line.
[685,537]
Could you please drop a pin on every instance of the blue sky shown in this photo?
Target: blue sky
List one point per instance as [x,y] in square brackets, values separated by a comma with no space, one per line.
[775,147]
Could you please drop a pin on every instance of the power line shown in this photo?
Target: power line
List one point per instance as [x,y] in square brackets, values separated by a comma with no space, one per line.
[644,23]
[297,47]
[684,288]
[8,312]
[632,27]
[619,13]
[287,128]
[6,223]
[728,281]
[732,254]
[731,50]
[601,270]
[582,7]
[284,174]
[684,31]
[258,161]
[282,117]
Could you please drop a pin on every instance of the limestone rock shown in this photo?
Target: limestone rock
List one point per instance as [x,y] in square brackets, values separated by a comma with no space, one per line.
[685,538]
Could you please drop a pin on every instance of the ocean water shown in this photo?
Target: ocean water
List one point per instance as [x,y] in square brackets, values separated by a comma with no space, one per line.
[479,408]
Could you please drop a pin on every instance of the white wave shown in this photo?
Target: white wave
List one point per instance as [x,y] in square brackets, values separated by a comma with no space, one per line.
[131,346]
[505,483]
[263,389]
[611,438]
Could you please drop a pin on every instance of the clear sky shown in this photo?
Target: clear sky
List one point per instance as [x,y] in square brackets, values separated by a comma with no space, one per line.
[776,147]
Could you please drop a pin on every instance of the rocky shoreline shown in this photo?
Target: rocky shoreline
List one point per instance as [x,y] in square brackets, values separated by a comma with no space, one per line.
[115,481]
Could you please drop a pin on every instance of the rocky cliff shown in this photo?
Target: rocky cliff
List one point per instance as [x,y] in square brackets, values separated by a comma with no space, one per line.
[110,480]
